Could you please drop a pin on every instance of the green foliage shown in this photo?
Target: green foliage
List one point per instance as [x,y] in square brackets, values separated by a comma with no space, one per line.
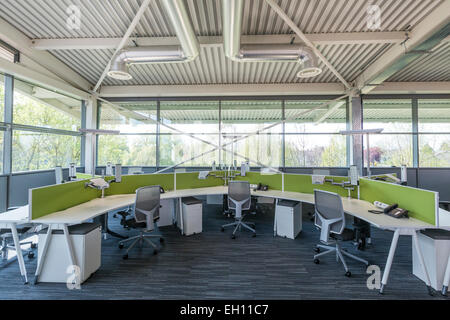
[35,150]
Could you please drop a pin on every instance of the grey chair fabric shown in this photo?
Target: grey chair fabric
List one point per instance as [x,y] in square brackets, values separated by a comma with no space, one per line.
[147,205]
[239,199]
[239,191]
[330,218]
[146,213]
[328,206]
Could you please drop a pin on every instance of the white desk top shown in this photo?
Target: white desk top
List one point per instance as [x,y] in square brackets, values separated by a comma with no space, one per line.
[354,207]
[19,215]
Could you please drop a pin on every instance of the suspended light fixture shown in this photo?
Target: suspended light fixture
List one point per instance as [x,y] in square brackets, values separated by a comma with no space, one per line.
[309,68]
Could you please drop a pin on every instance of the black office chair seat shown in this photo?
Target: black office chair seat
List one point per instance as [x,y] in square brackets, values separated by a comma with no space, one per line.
[131,223]
[346,235]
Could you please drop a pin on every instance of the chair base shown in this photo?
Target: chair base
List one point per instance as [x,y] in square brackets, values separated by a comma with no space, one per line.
[237,225]
[340,253]
[141,238]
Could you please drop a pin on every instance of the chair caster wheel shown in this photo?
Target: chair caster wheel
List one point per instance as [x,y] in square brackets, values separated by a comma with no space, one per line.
[155,252]
[317,250]
[222,229]
[120,246]
[316,261]
[125,257]
[348,274]
[33,245]
[30,255]
[233,237]
[161,240]
[253,235]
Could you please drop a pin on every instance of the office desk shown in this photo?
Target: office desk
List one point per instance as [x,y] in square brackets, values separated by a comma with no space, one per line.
[357,208]
[10,220]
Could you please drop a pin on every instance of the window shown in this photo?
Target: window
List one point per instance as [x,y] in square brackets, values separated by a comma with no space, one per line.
[2,97]
[434,132]
[2,115]
[45,128]
[136,143]
[241,118]
[312,136]
[36,150]
[36,106]
[199,118]
[393,147]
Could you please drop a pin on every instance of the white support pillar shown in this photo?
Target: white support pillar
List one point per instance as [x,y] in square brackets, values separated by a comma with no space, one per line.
[356,155]
[91,141]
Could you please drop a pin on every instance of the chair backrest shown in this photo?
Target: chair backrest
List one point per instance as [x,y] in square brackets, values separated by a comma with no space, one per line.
[147,202]
[329,213]
[239,191]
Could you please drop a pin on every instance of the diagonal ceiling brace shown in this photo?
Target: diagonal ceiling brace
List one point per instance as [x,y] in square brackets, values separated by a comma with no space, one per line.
[306,40]
[124,40]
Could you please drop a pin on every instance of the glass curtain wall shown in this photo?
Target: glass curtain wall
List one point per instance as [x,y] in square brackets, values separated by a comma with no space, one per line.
[136,143]
[189,133]
[393,147]
[434,132]
[312,134]
[2,118]
[45,128]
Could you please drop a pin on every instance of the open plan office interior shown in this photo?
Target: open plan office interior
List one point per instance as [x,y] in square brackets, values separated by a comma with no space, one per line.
[225,150]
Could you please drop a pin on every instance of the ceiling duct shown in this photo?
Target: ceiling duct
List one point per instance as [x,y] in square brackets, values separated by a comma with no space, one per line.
[232,13]
[187,51]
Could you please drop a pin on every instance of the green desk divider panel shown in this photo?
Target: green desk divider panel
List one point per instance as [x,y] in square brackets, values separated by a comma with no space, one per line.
[272,180]
[46,200]
[190,180]
[420,203]
[81,175]
[303,183]
[130,183]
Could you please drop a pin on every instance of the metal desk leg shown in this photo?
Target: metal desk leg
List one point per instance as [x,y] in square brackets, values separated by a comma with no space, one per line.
[73,260]
[41,260]
[390,259]
[275,219]
[23,270]
[446,278]
[181,217]
[422,262]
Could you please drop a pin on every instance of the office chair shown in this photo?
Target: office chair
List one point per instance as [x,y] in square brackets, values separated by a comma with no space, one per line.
[239,199]
[330,218]
[146,215]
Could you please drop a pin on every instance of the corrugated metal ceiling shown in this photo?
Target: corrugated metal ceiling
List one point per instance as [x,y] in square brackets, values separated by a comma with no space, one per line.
[100,18]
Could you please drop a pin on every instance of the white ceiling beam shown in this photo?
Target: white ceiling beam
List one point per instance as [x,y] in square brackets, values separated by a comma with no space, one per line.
[412,88]
[288,89]
[387,64]
[331,108]
[27,74]
[206,41]
[222,90]
[21,42]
